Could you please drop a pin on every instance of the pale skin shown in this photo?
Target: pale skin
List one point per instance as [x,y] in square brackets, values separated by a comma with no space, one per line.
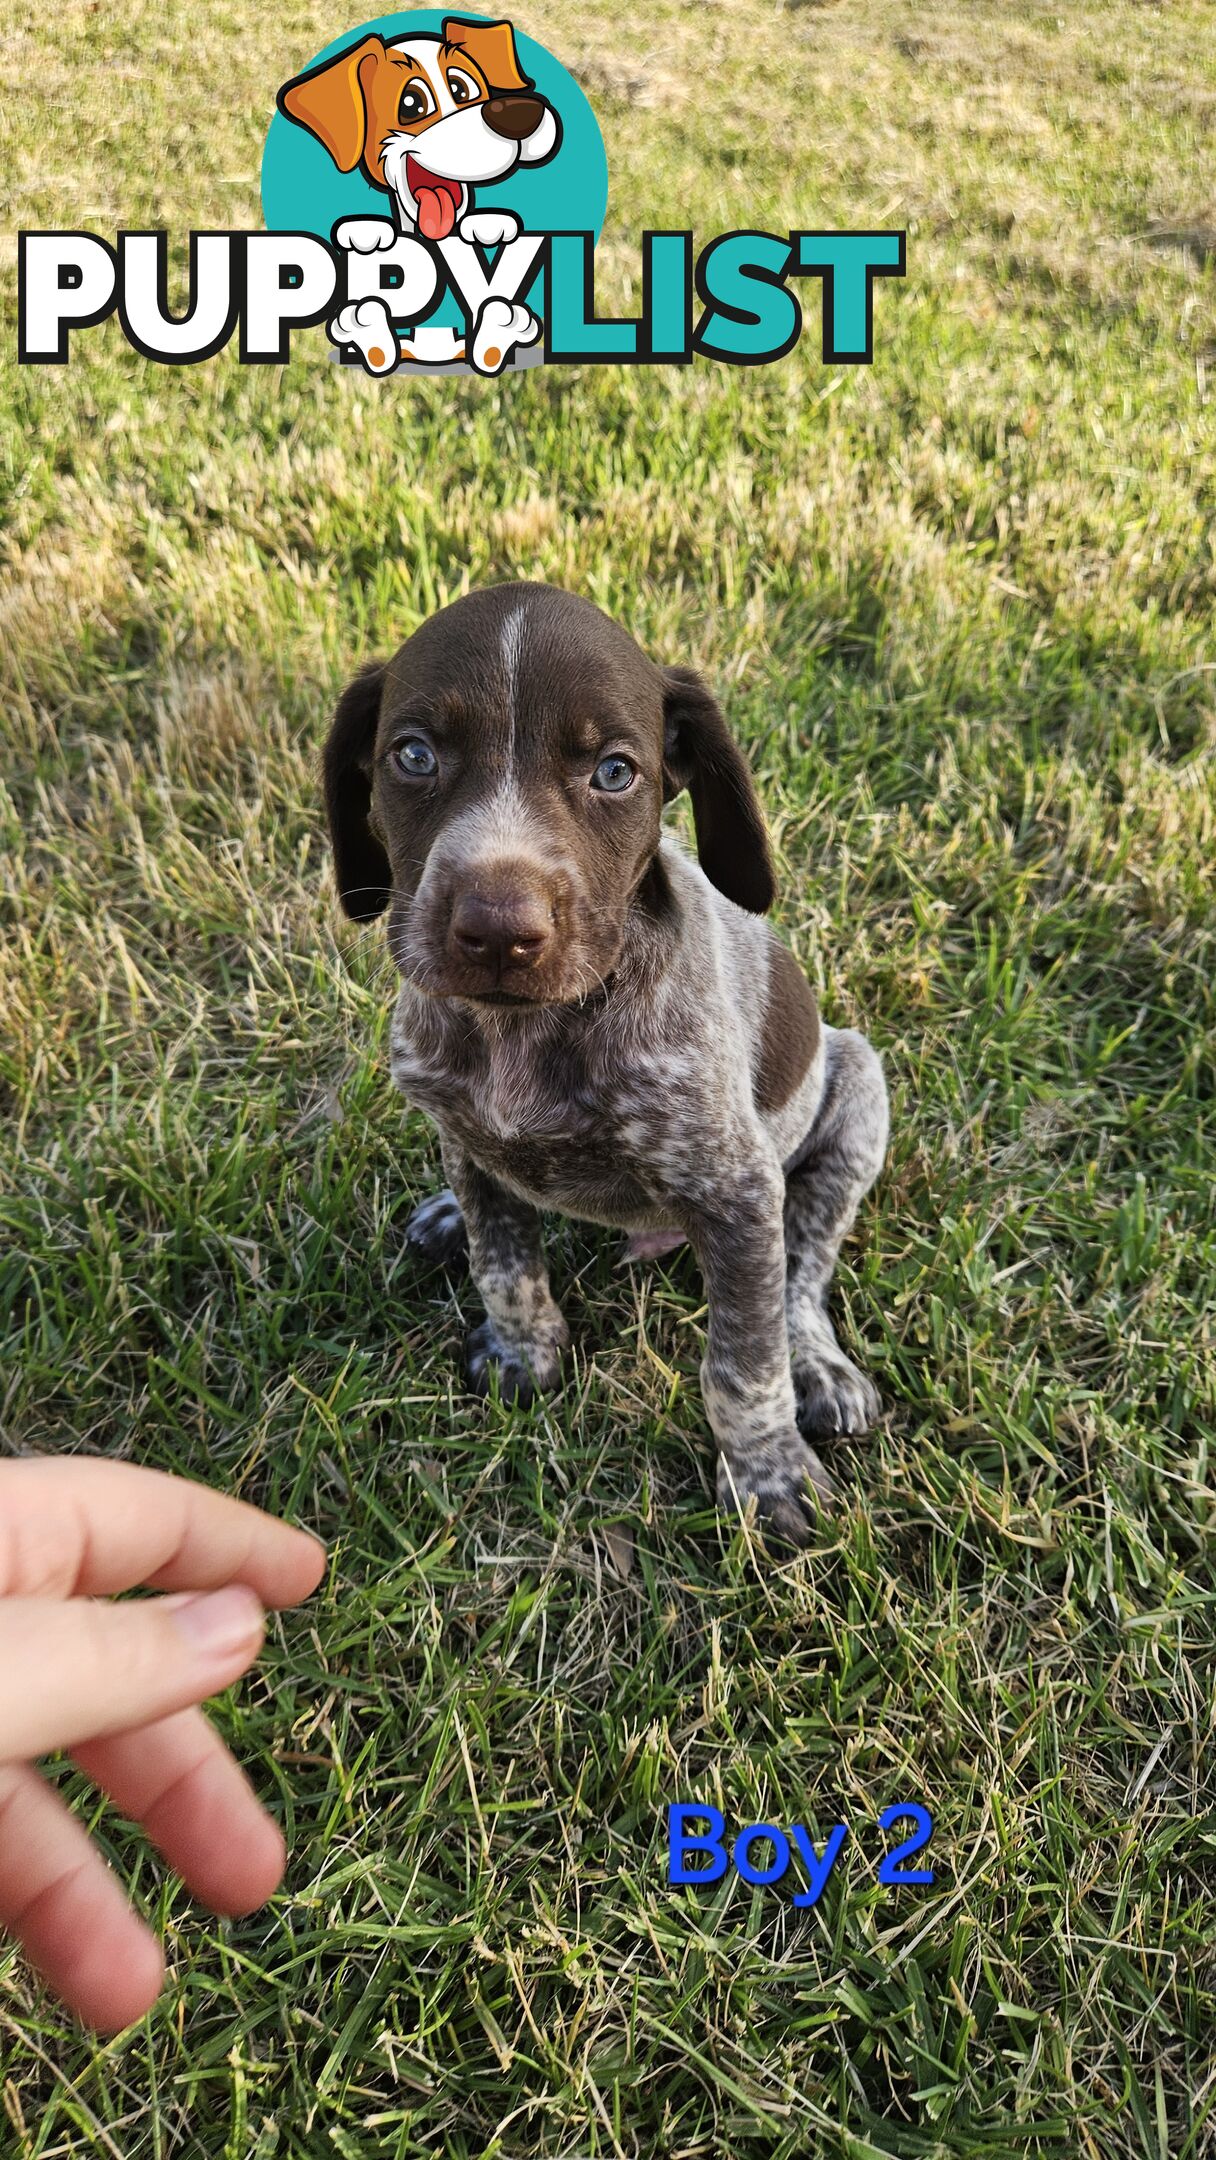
[116,1685]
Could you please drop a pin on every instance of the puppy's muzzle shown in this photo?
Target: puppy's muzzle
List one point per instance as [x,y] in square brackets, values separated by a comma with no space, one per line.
[515,117]
[506,932]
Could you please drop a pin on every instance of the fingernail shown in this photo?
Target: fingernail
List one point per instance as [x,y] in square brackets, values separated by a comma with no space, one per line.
[222,1621]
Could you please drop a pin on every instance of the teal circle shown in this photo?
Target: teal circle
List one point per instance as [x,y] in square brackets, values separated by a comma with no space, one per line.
[303,191]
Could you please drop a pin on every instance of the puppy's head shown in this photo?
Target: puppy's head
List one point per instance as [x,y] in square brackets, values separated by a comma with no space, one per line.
[501,782]
[427,117]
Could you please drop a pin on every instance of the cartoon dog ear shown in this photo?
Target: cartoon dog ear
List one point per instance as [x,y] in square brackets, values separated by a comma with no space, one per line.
[700,755]
[361,868]
[491,47]
[331,100]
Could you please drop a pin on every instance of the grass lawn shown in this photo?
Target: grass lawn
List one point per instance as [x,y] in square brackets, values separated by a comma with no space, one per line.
[958,606]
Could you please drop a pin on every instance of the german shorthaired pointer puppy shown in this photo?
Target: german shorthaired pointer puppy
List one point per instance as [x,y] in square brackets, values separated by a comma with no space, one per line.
[599,1025]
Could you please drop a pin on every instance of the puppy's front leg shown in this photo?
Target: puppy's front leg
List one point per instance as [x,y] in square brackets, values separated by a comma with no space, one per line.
[523,1334]
[745,1377]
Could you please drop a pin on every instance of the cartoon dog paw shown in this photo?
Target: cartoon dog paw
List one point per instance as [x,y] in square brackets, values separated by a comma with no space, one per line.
[364,235]
[368,325]
[501,326]
[489,228]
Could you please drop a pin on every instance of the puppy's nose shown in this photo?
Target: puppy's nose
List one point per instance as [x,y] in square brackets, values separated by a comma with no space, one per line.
[501,930]
[516,116]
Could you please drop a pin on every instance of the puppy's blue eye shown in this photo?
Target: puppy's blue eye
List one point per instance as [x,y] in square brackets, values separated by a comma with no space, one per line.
[613,775]
[415,759]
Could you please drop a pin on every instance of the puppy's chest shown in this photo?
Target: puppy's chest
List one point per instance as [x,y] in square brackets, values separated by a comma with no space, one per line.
[543,1122]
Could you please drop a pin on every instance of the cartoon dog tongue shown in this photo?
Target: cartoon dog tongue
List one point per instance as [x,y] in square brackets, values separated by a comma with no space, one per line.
[436,212]
[437,199]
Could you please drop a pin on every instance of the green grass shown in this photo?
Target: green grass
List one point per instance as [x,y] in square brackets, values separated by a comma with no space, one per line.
[959,608]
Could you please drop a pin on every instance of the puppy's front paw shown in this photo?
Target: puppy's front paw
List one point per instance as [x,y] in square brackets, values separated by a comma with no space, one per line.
[367,325]
[522,1371]
[436,1232]
[832,1397]
[501,326]
[788,1500]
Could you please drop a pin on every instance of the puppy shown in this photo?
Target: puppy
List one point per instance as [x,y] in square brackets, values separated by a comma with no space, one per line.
[597,1024]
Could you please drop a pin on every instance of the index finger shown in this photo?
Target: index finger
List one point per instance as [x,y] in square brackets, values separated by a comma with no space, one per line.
[82,1526]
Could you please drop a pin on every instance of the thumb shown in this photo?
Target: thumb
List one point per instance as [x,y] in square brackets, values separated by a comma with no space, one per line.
[75,1669]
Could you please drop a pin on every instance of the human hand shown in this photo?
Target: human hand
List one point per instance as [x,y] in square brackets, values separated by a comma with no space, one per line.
[116,1685]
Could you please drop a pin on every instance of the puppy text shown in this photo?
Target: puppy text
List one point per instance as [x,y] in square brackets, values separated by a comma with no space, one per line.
[740,299]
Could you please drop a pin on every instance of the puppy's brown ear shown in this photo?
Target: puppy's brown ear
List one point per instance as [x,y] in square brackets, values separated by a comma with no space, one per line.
[700,755]
[331,100]
[361,867]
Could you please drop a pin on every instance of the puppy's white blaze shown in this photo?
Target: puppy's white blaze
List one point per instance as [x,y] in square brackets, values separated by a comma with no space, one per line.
[492,833]
[425,50]
[512,653]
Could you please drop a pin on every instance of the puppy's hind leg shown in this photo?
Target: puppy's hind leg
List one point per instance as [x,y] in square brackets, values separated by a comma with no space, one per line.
[435,1231]
[839,1161]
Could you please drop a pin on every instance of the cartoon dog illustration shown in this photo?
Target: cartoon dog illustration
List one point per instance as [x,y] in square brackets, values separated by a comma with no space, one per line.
[427,119]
